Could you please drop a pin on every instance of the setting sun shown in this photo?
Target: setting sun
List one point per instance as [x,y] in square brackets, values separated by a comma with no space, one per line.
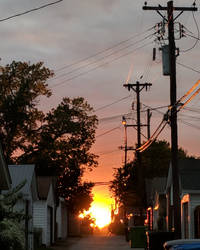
[101,213]
[100,210]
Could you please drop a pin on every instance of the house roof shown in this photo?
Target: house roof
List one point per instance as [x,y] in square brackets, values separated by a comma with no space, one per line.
[19,173]
[189,172]
[5,178]
[43,184]
[157,184]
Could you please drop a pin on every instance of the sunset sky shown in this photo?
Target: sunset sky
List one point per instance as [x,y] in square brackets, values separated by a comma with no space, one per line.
[93,46]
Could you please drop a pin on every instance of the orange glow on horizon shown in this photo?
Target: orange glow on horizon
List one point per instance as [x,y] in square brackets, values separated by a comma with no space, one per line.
[100,210]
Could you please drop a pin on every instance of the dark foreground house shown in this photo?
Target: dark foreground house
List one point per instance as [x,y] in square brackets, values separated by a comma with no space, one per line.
[156,203]
[189,172]
[61,219]
[19,174]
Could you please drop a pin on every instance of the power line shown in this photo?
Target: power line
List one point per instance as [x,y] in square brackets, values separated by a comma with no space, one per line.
[188,67]
[107,132]
[195,110]
[198,34]
[166,117]
[190,124]
[99,59]
[104,119]
[31,10]
[156,109]
[108,105]
[98,66]
[108,152]
[103,51]
[190,117]
[197,38]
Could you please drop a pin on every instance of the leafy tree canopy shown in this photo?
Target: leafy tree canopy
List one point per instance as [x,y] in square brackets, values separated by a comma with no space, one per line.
[21,84]
[57,142]
[155,162]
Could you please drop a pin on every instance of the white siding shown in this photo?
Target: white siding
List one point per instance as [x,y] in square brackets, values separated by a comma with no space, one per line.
[40,217]
[193,201]
[51,203]
[61,220]
[48,226]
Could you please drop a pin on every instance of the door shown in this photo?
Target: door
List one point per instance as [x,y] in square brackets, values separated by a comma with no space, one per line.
[49,225]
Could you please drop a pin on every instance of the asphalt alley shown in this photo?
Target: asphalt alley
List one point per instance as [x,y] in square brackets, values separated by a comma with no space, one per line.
[97,242]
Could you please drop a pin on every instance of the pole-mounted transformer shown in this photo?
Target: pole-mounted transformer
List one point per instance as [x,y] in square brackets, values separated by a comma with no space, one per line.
[165,60]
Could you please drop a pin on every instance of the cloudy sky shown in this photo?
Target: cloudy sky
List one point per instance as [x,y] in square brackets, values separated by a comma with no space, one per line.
[92,46]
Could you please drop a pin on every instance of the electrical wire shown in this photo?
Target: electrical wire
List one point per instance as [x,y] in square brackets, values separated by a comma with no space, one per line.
[107,132]
[109,152]
[164,122]
[190,117]
[99,59]
[192,36]
[103,51]
[188,67]
[190,124]
[189,100]
[198,35]
[108,105]
[98,66]
[156,109]
[195,110]
[150,142]
[28,11]
[105,119]
[153,137]
[188,92]
[140,133]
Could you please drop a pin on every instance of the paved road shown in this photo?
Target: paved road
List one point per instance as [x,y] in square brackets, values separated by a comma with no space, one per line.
[95,243]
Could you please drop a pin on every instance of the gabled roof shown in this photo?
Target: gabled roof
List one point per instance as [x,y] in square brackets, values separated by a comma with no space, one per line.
[189,172]
[19,173]
[155,185]
[43,185]
[5,178]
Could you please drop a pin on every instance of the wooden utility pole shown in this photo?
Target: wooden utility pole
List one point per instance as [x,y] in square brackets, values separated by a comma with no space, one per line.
[138,87]
[173,118]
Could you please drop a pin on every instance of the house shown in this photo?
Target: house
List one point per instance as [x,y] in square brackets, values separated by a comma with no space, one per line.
[18,174]
[156,202]
[74,225]
[189,180]
[44,209]
[62,219]
[5,178]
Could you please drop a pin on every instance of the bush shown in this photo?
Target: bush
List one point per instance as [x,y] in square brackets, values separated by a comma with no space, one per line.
[11,235]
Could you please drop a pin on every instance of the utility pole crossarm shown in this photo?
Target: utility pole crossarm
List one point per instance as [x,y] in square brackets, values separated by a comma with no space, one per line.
[165,8]
[134,86]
